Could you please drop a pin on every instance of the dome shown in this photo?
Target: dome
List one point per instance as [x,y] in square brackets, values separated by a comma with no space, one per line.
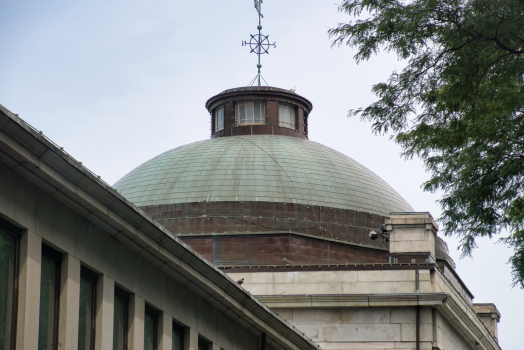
[265,168]
[260,193]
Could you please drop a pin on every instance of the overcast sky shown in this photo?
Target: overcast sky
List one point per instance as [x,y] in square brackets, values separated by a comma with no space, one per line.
[118,82]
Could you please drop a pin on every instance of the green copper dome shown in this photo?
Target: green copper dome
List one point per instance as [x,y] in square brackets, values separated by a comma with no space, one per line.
[264,168]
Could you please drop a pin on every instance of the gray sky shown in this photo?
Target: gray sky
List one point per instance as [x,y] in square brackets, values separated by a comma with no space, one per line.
[118,82]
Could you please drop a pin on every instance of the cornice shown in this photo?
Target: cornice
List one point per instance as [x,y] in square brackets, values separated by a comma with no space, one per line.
[463,319]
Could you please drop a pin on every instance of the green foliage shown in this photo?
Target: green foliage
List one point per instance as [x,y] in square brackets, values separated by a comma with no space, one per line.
[458,104]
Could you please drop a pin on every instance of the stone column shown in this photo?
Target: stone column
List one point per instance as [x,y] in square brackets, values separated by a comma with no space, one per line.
[29,291]
[137,307]
[190,339]
[69,303]
[165,331]
[105,301]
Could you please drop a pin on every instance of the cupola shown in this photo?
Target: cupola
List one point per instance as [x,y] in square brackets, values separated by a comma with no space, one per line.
[259,110]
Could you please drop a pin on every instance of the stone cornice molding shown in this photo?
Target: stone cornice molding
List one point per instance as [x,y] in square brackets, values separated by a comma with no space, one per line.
[463,318]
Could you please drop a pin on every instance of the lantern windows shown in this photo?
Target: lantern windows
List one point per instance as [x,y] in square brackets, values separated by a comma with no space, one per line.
[219,118]
[250,112]
[286,116]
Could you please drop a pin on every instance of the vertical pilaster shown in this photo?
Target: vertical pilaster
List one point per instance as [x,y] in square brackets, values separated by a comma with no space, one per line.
[69,303]
[105,299]
[213,346]
[165,331]
[29,291]
[272,113]
[190,339]
[299,119]
[137,308]
[229,118]
[435,344]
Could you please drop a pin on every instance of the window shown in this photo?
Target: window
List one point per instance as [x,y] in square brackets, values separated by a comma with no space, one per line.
[86,323]
[178,337]
[250,112]
[202,344]
[219,118]
[120,320]
[150,328]
[286,116]
[49,299]
[8,275]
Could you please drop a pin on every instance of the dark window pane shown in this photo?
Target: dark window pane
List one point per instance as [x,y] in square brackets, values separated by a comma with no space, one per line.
[7,276]
[149,332]
[120,322]
[86,315]
[178,338]
[48,302]
[202,344]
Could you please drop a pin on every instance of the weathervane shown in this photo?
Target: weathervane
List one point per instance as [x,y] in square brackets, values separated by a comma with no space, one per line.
[258,43]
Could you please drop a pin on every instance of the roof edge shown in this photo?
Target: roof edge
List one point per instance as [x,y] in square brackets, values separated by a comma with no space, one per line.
[260,90]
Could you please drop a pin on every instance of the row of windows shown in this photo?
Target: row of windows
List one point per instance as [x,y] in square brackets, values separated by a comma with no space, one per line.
[254,112]
[121,324]
[49,305]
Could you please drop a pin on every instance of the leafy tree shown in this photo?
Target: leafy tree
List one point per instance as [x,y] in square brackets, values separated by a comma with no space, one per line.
[458,105]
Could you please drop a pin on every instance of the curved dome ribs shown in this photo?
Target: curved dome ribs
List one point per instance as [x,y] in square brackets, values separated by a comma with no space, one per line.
[271,168]
[281,167]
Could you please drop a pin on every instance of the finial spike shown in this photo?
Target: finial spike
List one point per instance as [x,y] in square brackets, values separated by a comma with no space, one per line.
[259,43]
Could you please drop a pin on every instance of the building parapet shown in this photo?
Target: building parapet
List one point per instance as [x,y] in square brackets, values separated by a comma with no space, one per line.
[490,315]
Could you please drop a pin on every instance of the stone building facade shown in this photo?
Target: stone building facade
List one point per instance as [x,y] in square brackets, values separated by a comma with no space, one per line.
[384,306]
[83,268]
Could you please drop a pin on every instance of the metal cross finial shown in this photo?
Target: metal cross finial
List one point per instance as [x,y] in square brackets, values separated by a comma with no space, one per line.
[259,43]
